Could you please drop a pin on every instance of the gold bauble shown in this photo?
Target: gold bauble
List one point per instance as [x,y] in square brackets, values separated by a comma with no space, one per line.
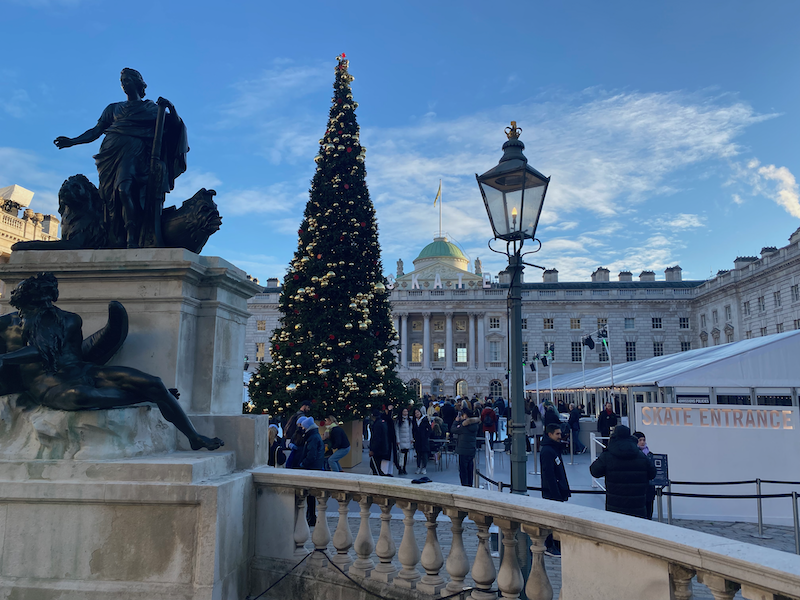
[362,326]
[305,381]
[331,273]
[341,344]
[379,287]
[298,326]
[353,306]
[290,388]
[365,302]
[348,326]
[374,393]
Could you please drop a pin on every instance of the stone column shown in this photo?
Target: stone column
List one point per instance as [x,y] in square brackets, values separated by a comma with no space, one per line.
[448,344]
[300,524]
[385,571]
[432,559]
[342,537]
[721,588]
[409,551]
[483,570]
[405,350]
[509,579]
[426,341]
[322,533]
[481,343]
[457,563]
[471,347]
[538,586]
[364,545]
[680,579]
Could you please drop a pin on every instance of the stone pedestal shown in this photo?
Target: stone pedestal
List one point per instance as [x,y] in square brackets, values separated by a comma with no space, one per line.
[187,315]
[167,527]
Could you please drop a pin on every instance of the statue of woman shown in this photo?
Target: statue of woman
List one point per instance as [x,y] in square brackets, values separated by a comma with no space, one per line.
[124,166]
[54,371]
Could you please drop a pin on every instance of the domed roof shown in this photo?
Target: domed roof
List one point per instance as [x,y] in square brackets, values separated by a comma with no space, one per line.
[441,248]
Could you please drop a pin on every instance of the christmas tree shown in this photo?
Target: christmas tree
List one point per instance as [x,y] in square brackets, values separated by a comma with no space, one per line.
[333,347]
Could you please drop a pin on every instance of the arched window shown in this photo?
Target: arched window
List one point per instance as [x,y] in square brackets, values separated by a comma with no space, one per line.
[416,387]
[437,387]
[495,389]
[461,388]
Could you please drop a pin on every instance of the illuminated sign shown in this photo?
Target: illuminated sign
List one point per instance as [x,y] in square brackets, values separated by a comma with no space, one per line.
[711,416]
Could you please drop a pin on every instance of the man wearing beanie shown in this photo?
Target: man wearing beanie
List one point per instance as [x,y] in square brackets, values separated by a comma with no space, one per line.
[313,460]
[627,472]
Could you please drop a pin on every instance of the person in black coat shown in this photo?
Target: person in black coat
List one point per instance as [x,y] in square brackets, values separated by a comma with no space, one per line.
[388,414]
[313,460]
[607,420]
[550,415]
[448,413]
[554,477]
[466,429]
[421,431]
[575,414]
[379,451]
[627,472]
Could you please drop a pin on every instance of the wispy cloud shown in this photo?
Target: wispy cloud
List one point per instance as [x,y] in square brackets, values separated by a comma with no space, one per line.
[15,103]
[681,221]
[776,183]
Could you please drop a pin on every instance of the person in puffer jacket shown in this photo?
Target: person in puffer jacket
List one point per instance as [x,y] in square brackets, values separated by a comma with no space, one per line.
[627,472]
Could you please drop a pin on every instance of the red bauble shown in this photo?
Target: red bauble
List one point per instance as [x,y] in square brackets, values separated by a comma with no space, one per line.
[356,356]
[339,100]
[341,239]
[331,337]
[339,132]
[291,344]
[296,277]
[277,347]
[299,232]
[363,224]
[313,402]
[319,256]
[349,149]
[325,383]
[347,186]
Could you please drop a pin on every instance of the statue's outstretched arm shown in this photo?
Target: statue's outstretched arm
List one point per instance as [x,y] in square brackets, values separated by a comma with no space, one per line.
[23,356]
[86,137]
[99,347]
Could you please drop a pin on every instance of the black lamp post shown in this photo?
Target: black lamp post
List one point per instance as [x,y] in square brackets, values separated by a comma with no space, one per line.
[513,193]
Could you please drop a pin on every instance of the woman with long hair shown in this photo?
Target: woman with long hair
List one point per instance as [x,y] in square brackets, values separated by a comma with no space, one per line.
[276,456]
[403,432]
[421,430]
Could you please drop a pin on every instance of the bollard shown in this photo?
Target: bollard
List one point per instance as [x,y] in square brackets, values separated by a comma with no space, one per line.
[796,524]
[760,513]
[660,494]
[669,505]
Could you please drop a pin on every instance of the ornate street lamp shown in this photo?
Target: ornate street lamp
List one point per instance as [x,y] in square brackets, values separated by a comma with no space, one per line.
[513,193]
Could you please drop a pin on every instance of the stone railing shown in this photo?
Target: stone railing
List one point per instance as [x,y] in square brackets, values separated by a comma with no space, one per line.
[604,555]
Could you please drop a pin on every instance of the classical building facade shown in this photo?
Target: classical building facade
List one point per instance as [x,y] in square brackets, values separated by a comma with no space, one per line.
[452,323]
[29,226]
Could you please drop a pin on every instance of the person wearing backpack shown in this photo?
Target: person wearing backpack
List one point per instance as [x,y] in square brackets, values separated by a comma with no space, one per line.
[489,420]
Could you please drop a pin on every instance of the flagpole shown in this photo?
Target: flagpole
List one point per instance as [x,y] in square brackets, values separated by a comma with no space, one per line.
[440,208]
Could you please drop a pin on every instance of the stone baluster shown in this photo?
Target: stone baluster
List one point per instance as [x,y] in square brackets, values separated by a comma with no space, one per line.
[483,571]
[432,560]
[509,579]
[457,562]
[721,588]
[680,581]
[322,533]
[538,586]
[300,524]
[409,551]
[364,545]
[385,570]
[342,537]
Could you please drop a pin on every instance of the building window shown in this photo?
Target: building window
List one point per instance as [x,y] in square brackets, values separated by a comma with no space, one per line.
[416,325]
[576,352]
[524,323]
[416,387]
[261,325]
[461,352]
[260,351]
[748,335]
[780,327]
[658,348]
[629,322]
[795,293]
[797,323]
[776,296]
[686,346]
[574,323]
[630,351]
[547,323]
[684,322]
[494,322]
[602,322]
[763,331]
[656,323]
[728,314]
[494,351]
[746,308]
[416,353]
[438,325]
[728,337]
[603,353]
[437,387]
[438,352]
[495,389]
[762,304]
[461,325]
[524,352]
[714,317]
[702,321]
[551,348]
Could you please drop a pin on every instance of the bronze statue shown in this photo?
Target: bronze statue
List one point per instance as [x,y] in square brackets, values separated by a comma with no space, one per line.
[45,357]
[142,153]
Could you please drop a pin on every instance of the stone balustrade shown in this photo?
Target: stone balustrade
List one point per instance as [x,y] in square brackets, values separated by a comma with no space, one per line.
[604,555]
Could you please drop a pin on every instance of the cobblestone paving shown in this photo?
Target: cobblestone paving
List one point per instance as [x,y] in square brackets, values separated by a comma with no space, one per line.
[780,538]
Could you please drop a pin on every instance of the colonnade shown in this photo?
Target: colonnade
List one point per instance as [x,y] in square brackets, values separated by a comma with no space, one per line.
[476,344]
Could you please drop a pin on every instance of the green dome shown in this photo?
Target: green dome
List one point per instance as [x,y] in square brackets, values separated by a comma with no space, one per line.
[440,248]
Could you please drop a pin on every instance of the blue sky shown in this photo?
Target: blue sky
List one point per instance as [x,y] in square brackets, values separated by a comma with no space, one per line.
[670,130]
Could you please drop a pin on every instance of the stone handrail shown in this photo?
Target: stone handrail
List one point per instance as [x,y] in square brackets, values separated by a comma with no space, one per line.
[604,555]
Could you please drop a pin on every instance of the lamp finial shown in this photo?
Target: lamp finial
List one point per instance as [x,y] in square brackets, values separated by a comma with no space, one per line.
[513,132]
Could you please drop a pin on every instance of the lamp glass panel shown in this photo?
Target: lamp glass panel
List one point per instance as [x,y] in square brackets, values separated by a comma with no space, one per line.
[504,200]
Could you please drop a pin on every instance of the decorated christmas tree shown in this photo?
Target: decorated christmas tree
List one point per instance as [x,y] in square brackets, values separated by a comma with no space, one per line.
[333,347]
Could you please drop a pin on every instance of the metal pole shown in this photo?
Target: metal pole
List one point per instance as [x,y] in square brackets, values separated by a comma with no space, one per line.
[796,524]
[519,456]
[571,452]
[669,505]
[660,494]
[550,367]
[760,515]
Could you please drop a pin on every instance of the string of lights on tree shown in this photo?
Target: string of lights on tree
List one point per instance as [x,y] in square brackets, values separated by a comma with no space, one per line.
[334,343]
